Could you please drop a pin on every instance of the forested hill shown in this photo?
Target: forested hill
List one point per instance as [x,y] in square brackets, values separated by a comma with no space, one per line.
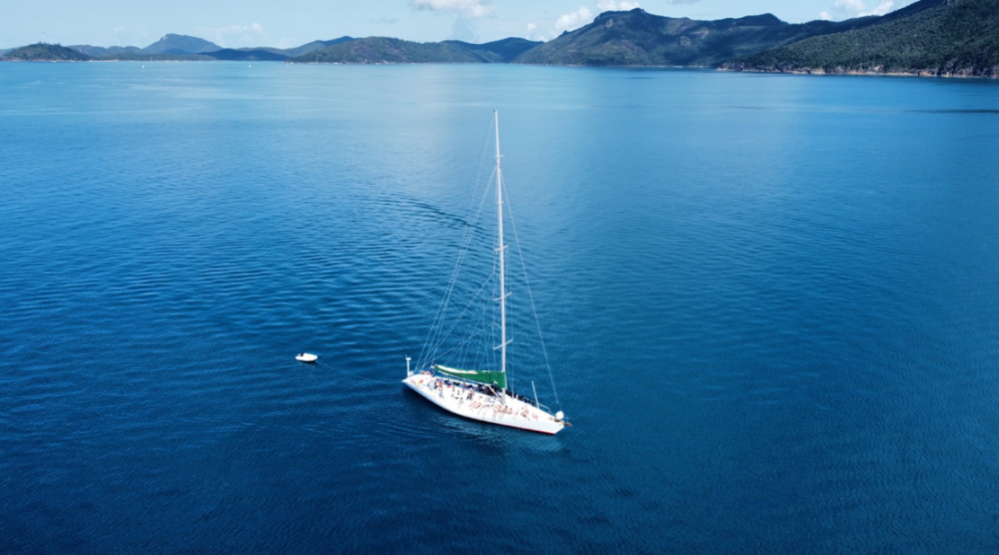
[41,52]
[638,38]
[181,45]
[381,50]
[930,37]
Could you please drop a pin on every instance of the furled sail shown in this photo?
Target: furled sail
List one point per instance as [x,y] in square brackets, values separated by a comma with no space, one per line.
[482,376]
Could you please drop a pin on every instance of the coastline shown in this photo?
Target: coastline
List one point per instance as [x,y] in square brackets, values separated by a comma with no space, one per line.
[993,73]
[964,74]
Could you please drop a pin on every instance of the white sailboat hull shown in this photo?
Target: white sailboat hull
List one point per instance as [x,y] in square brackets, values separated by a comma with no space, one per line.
[505,411]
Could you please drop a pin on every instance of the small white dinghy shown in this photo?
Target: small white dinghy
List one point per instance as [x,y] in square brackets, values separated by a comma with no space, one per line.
[306,357]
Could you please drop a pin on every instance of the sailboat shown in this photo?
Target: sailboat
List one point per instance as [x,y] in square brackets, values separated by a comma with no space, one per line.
[483,395]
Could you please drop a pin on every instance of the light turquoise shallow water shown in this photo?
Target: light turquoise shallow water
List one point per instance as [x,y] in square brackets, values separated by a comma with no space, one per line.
[770,302]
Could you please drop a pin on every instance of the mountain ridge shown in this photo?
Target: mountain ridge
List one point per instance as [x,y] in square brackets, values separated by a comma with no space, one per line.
[943,38]
[381,50]
[44,52]
[181,44]
[928,37]
[638,38]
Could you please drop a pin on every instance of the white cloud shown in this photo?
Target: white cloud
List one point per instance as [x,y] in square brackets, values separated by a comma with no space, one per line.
[583,16]
[468,8]
[119,29]
[845,9]
[288,43]
[573,20]
[531,32]
[882,8]
[855,6]
[612,6]
[463,29]
[254,28]
[233,35]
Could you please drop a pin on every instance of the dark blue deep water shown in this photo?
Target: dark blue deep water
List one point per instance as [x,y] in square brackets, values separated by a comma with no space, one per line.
[771,304]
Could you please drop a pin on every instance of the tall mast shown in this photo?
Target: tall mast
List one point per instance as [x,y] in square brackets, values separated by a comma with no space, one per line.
[501,249]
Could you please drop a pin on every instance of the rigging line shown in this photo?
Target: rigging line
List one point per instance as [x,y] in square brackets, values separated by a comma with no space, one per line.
[440,338]
[488,354]
[442,308]
[461,345]
[436,339]
[481,330]
[457,320]
[481,359]
[485,150]
[475,353]
[463,348]
[530,295]
[469,233]
[438,321]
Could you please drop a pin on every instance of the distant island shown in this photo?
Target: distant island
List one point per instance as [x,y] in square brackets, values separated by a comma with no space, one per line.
[169,48]
[44,53]
[951,38]
[381,50]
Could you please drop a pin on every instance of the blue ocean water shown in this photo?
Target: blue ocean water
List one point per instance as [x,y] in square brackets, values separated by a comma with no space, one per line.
[771,305]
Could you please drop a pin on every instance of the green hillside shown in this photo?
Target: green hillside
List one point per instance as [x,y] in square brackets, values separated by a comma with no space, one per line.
[41,52]
[246,55]
[129,57]
[928,37]
[181,44]
[102,52]
[500,51]
[312,46]
[383,50]
[638,38]
[950,38]
[380,50]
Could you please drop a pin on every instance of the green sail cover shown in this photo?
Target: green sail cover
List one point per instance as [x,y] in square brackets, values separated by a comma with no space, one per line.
[483,376]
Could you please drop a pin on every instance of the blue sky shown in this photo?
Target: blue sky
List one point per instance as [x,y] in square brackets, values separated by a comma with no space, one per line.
[288,23]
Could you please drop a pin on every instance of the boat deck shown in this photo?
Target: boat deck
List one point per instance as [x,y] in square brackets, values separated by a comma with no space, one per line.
[479,403]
